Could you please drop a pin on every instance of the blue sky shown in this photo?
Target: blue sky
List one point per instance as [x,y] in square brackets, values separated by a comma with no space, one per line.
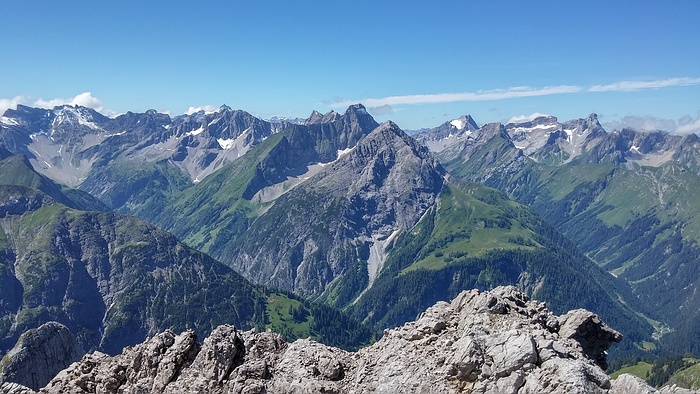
[417,63]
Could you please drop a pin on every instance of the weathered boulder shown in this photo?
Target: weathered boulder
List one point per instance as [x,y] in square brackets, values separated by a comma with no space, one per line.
[39,355]
[587,329]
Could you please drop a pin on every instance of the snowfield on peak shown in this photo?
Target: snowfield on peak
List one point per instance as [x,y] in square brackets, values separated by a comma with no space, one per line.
[458,123]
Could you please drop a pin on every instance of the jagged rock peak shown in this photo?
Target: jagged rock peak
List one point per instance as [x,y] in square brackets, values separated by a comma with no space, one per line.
[39,355]
[314,118]
[481,342]
[330,116]
[464,122]
[538,121]
[388,126]
[388,131]
[491,130]
[358,108]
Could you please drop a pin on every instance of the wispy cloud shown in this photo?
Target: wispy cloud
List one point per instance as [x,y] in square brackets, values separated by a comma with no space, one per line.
[485,95]
[643,123]
[688,125]
[11,103]
[629,86]
[517,92]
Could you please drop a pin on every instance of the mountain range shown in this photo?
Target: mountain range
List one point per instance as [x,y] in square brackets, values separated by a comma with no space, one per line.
[626,198]
[339,211]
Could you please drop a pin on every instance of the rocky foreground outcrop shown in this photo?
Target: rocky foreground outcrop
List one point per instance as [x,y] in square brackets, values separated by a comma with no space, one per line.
[39,355]
[481,342]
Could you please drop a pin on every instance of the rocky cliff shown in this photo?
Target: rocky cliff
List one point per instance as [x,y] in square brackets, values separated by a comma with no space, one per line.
[481,342]
[337,223]
[39,355]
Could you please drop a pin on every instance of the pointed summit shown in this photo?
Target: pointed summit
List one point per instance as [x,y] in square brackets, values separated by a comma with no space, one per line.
[329,117]
[315,117]
[357,108]
[464,122]
[448,133]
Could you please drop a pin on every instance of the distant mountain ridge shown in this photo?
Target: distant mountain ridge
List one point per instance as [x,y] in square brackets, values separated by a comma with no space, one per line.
[127,160]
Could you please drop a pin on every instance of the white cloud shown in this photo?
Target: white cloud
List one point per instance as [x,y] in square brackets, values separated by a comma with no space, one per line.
[628,86]
[525,118]
[205,108]
[11,103]
[687,125]
[85,99]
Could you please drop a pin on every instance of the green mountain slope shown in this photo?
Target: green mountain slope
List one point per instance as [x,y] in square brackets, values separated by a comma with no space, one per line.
[639,222]
[214,211]
[382,233]
[16,170]
[113,280]
[476,237]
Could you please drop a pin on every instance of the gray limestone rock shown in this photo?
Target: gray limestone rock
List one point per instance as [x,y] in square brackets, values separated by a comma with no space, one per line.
[461,346]
[587,329]
[39,355]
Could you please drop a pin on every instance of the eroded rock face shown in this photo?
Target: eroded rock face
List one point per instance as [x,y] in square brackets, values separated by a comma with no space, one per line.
[481,342]
[39,355]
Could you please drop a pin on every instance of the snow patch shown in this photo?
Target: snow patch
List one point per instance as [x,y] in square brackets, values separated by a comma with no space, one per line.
[226,143]
[533,128]
[569,134]
[8,121]
[458,123]
[195,132]
[342,152]
[339,153]
[67,114]
[525,118]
